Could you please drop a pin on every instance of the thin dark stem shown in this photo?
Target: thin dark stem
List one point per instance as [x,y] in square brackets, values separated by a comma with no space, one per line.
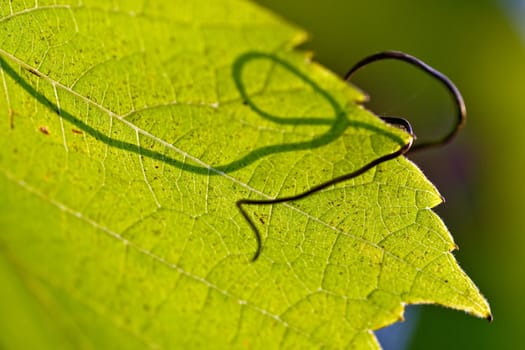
[456,95]
[322,186]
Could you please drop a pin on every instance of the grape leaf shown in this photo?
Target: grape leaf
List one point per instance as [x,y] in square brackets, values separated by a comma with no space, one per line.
[129,131]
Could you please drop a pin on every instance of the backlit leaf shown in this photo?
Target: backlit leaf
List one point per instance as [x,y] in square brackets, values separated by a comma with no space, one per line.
[129,131]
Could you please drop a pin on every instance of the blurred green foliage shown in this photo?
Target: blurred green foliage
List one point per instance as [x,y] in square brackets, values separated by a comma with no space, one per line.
[481,174]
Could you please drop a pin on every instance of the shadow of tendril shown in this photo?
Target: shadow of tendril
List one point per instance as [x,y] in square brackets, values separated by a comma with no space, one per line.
[337,124]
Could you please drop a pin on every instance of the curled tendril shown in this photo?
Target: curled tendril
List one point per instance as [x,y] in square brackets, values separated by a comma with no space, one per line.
[461,110]
[400,122]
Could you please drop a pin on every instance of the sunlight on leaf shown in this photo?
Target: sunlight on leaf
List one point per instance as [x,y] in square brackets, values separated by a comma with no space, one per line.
[130,130]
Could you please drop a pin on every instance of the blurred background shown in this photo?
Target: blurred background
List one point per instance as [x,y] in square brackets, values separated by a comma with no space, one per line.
[480,45]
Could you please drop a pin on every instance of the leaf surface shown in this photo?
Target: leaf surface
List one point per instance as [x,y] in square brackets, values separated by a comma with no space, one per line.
[130,129]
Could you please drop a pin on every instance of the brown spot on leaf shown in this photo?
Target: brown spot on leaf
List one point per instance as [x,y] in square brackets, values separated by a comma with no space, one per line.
[76,131]
[33,71]
[11,119]
[44,130]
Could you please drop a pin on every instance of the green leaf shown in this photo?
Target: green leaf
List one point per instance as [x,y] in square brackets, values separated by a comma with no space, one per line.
[129,131]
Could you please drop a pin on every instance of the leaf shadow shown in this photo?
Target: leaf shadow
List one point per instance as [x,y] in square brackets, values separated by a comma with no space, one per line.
[338,124]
